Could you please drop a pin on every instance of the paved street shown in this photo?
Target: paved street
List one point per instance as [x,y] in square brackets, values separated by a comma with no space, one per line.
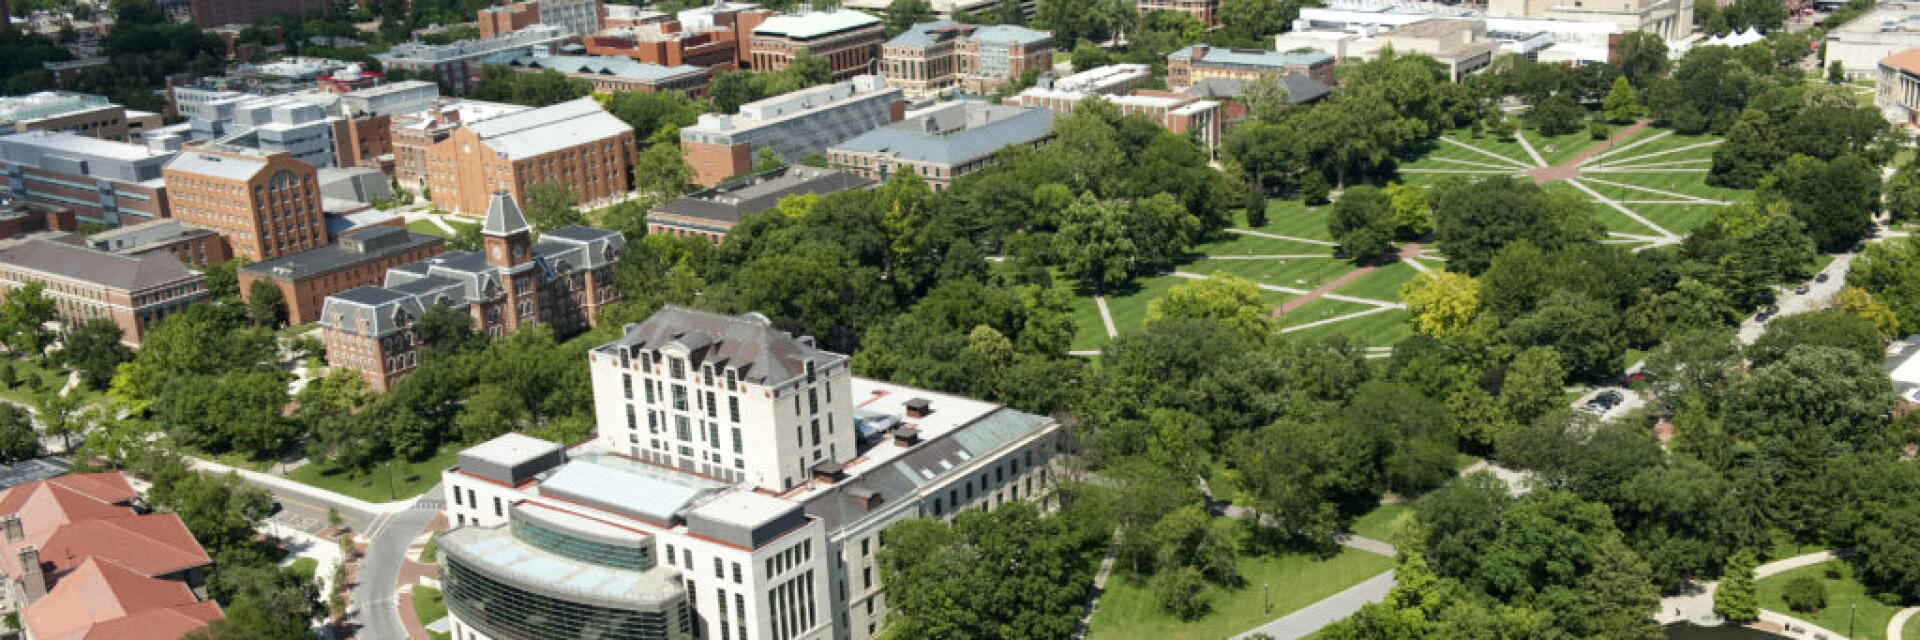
[1816,297]
[374,593]
[1309,620]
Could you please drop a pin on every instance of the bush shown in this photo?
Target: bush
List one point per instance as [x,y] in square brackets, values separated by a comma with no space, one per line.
[1314,188]
[1832,570]
[1805,594]
[1178,591]
[7,377]
[1599,131]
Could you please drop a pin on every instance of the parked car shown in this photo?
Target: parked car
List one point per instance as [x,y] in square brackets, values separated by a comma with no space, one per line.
[1820,278]
[1801,290]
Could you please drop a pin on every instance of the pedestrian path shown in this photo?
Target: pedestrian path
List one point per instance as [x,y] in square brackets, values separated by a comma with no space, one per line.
[1521,137]
[1898,624]
[1276,236]
[1106,317]
[1516,163]
[1309,620]
[1666,237]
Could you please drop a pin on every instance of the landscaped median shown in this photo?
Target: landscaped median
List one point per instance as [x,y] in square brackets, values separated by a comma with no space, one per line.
[1846,599]
[1288,582]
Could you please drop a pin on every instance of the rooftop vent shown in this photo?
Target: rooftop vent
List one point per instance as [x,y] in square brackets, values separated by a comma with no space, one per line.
[919,407]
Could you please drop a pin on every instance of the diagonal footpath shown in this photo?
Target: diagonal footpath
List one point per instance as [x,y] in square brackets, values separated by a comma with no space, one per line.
[1521,137]
[1671,194]
[1666,237]
[1623,149]
[1276,236]
[1463,145]
[1663,152]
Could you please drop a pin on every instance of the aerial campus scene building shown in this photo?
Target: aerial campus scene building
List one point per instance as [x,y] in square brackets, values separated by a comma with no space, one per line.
[958,319]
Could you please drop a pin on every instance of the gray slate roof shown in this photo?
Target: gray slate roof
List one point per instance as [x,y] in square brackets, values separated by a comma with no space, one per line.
[376,243]
[1300,88]
[1253,57]
[922,35]
[955,138]
[60,257]
[503,217]
[748,344]
[928,463]
[369,311]
[618,66]
[729,202]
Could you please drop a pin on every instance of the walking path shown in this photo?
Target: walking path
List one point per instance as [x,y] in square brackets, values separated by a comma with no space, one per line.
[1898,624]
[1273,256]
[1309,620]
[1521,137]
[1463,145]
[1322,290]
[1342,318]
[1106,317]
[1692,199]
[1276,236]
[1666,237]
[1099,587]
[1661,152]
[1696,604]
[1623,149]
[1571,168]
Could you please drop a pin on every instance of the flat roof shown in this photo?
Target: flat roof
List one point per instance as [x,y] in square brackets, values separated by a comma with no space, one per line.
[814,24]
[649,498]
[227,167]
[85,145]
[950,414]
[744,509]
[511,448]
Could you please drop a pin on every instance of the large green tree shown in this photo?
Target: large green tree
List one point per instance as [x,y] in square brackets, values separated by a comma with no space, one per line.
[1012,572]
[1362,222]
[551,205]
[94,349]
[1473,220]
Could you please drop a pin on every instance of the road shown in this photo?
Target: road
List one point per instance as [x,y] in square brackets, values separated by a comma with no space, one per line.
[1309,620]
[1816,297]
[374,591]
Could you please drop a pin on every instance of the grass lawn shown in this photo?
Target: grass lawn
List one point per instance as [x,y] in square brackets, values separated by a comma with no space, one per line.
[1089,333]
[1869,620]
[1320,309]
[1383,284]
[1240,244]
[1378,523]
[1381,329]
[1296,273]
[427,604]
[426,227]
[1646,152]
[1128,609]
[1559,149]
[1292,218]
[30,380]
[1678,218]
[407,479]
[426,552]
[1912,630]
[1130,310]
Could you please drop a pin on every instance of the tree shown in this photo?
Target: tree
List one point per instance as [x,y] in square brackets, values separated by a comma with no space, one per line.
[1010,572]
[1441,304]
[1623,103]
[551,205]
[1412,213]
[1818,328]
[1558,115]
[1472,221]
[18,439]
[1643,57]
[1619,595]
[1256,203]
[1226,298]
[1533,386]
[1362,222]
[1093,243]
[1586,333]
[266,307]
[94,349]
[487,412]
[1810,387]
[1087,55]
[1750,151]
[1736,597]
[1858,302]
[221,511]
[1836,73]
[1903,194]
[903,14]
[1178,592]
[1805,594]
[23,318]
[662,171]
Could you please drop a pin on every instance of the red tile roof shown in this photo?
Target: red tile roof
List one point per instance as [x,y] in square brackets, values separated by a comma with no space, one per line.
[101,601]
[151,545]
[1908,61]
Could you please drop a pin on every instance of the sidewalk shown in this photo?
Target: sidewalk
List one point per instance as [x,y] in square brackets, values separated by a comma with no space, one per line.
[317,494]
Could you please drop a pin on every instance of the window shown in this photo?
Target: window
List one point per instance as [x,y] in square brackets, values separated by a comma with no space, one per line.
[682,429]
[736,440]
[936,507]
[719,569]
[677,368]
[711,405]
[626,385]
[813,400]
[633,421]
[866,578]
[816,432]
[733,405]
[679,397]
[687,554]
[456,497]
[496,507]
[736,573]
[650,399]
[669,555]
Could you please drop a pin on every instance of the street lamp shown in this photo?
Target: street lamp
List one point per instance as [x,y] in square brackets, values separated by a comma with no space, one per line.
[1265,604]
[392,494]
[1854,610]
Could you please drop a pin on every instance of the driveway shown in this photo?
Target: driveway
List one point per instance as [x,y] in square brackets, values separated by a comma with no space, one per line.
[1629,400]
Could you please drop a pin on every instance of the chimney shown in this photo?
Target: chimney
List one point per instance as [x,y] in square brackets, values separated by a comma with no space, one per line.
[919,408]
[32,581]
[14,530]
[1199,51]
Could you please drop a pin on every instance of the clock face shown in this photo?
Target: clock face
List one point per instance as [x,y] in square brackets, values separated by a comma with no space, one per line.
[496,252]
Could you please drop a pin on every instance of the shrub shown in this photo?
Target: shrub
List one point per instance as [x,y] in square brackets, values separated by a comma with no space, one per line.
[1178,591]
[1599,131]
[1806,594]
[1832,570]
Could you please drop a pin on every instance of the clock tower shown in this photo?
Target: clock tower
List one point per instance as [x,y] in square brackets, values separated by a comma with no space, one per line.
[505,234]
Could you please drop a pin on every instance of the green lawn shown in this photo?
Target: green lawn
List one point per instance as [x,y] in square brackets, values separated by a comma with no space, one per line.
[1383,284]
[1128,609]
[1295,273]
[426,553]
[1089,333]
[426,227]
[1381,329]
[1292,218]
[1320,309]
[1843,595]
[1378,523]
[1241,244]
[1130,308]
[1639,153]
[427,605]
[1912,630]
[386,482]
[30,381]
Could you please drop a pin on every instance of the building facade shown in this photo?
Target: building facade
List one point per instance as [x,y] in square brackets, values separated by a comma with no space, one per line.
[1176,112]
[709,213]
[978,58]
[191,245]
[794,125]
[507,18]
[357,259]
[413,134]
[575,143]
[1898,92]
[1207,12]
[112,183]
[560,282]
[740,473]
[848,40]
[82,113]
[456,64]
[265,204]
[942,144]
[88,284]
[1669,19]
[1200,62]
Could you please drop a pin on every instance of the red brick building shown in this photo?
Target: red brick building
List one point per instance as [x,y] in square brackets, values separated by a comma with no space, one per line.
[575,143]
[359,258]
[86,284]
[501,19]
[265,204]
[850,41]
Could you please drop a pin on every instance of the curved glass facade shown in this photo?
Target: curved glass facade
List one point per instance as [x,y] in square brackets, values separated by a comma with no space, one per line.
[505,612]
[573,546]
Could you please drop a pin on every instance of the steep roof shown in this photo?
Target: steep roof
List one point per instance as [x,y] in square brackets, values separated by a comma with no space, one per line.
[729,202]
[1300,88]
[1908,61]
[747,343]
[151,545]
[45,505]
[63,259]
[503,216]
[101,601]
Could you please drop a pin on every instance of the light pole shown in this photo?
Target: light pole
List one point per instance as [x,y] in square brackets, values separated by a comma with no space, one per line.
[1853,611]
[392,494]
[1265,604]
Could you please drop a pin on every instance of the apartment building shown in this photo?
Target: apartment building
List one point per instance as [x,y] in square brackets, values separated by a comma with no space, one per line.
[794,125]
[575,143]
[456,64]
[1198,62]
[560,282]
[709,213]
[87,284]
[608,74]
[265,204]
[414,133]
[359,258]
[81,562]
[1206,12]
[942,143]
[848,40]
[737,488]
[977,58]
[102,181]
[82,113]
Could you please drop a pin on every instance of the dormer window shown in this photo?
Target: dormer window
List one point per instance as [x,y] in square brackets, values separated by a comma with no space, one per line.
[677,368]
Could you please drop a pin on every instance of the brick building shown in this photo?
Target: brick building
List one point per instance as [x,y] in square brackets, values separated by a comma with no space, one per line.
[575,143]
[23,217]
[978,58]
[710,212]
[848,40]
[715,37]
[82,113]
[507,18]
[265,204]
[942,144]
[794,125]
[191,245]
[1199,62]
[359,258]
[413,134]
[1177,112]
[560,282]
[456,64]
[608,74]
[1207,12]
[85,283]
[102,181]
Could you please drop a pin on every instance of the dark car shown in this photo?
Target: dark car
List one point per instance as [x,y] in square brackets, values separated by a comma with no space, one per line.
[1820,278]
[1802,289]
